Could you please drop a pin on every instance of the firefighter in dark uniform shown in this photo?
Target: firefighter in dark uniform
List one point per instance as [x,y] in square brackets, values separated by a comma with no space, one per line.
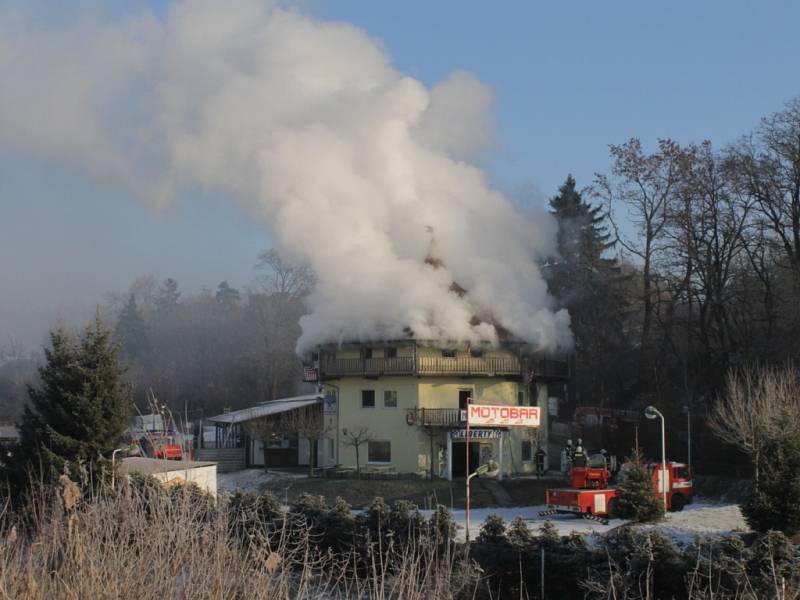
[579,457]
[539,458]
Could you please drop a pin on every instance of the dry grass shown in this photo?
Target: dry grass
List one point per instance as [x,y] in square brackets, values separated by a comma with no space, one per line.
[135,544]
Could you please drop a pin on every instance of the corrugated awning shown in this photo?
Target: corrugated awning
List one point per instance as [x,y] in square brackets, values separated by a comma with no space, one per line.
[273,407]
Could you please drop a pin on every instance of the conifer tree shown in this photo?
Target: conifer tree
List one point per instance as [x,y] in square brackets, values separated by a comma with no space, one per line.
[636,496]
[591,287]
[227,297]
[131,331]
[775,504]
[82,407]
[582,237]
[167,298]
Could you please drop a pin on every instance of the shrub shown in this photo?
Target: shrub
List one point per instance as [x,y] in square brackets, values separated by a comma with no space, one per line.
[636,497]
[405,521]
[776,502]
[251,515]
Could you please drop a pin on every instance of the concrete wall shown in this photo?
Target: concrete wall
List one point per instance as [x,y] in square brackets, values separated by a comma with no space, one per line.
[205,477]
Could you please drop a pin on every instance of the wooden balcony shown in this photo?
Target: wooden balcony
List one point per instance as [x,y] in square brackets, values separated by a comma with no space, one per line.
[436,417]
[422,365]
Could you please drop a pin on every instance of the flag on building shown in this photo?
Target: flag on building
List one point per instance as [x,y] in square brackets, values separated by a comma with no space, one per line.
[309,374]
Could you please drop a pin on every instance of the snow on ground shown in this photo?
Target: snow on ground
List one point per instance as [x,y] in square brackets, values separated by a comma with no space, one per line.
[252,480]
[701,518]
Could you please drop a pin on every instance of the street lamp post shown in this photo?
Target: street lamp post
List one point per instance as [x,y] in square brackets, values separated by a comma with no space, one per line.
[490,469]
[651,412]
[688,410]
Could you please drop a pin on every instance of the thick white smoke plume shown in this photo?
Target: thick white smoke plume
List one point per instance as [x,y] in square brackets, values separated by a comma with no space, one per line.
[350,163]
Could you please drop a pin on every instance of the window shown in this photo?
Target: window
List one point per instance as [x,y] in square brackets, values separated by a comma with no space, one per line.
[367,352]
[278,441]
[331,448]
[681,473]
[527,451]
[448,353]
[367,398]
[476,353]
[463,397]
[390,352]
[379,452]
[521,398]
[389,399]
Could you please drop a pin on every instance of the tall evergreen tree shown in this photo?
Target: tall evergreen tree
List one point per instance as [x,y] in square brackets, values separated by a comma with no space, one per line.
[582,239]
[82,407]
[131,331]
[227,297]
[167,297]
[590,286]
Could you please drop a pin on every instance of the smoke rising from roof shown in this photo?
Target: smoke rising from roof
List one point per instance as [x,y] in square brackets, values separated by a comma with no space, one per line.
[355,167]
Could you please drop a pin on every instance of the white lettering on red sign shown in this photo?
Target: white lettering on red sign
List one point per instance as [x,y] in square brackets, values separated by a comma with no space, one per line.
[503,416]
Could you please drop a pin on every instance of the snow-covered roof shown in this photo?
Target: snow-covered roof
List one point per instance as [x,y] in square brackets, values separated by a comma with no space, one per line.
[265,409]
[9,432]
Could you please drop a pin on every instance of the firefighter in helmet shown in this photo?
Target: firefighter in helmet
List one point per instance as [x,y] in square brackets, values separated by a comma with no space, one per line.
[579,457]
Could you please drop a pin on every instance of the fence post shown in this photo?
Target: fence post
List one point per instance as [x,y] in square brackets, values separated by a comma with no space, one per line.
[542,574]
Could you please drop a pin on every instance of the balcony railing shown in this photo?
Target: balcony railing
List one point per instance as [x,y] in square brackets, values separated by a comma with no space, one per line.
[434,365]
[436,417]
[547,368]
[440,366]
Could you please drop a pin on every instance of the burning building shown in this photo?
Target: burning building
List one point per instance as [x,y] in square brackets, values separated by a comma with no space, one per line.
[409,399]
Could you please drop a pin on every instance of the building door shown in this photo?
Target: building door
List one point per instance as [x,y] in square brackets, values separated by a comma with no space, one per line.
[460,459]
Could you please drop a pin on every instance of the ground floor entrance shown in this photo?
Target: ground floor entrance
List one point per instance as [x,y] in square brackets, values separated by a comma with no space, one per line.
[484,445]
[460,458]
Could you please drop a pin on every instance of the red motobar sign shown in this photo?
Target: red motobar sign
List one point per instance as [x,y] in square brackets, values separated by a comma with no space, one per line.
[503,416]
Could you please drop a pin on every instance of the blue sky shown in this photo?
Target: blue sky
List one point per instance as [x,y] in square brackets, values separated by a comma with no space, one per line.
[568,79]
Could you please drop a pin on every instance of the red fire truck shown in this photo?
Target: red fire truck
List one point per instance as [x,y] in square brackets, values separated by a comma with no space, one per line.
[590,496]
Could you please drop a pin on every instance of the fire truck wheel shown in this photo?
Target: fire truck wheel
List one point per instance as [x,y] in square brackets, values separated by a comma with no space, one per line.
[678,502]
[612,511]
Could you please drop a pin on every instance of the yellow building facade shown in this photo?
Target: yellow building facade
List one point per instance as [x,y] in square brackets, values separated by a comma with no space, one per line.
[410,399]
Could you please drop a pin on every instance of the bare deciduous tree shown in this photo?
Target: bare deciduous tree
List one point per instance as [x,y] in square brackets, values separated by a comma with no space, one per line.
[263,429]
[768,169]
[286,279]
[759,403]
[355,438]
[309,423]
[643,186]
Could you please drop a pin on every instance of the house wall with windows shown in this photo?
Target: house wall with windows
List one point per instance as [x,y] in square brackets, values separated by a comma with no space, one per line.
[380,404]
[384,403]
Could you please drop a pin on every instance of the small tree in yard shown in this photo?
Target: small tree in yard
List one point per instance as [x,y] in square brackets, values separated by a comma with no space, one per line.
[775,504]
[355,439]
[309,423]
[263,429]
[759,404]
[81,408]
[636,497]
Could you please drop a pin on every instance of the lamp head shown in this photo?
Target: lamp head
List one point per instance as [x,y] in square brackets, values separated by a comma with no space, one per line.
[651,412]
[490,469]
